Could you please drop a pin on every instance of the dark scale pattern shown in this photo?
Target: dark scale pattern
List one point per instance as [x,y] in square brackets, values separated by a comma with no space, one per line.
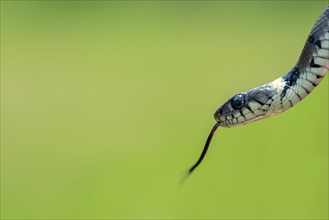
[313,43]
[242,113]
[314,65]
[312,40]
[290,80]
[248,107]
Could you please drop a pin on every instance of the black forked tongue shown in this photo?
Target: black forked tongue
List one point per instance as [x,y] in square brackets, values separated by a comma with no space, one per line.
[205,149]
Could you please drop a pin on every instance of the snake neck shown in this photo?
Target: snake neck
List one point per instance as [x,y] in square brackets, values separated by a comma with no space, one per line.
[287,94]
[311,68]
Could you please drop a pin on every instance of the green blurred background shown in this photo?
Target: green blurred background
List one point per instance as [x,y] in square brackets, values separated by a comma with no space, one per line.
[105,104]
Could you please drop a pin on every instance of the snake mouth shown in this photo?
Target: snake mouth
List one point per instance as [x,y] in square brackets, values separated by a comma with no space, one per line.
[226,119]
[229,120]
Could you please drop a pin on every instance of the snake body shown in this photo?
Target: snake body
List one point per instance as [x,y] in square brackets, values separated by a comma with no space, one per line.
[282,93]
[286,91]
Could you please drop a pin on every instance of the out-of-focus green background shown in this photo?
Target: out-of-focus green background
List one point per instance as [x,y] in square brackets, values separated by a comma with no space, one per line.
[105,104]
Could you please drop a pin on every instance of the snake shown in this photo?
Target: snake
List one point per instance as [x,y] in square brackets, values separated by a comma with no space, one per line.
[281,94]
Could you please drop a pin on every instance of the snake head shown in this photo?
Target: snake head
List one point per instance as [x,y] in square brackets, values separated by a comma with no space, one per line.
[246,107]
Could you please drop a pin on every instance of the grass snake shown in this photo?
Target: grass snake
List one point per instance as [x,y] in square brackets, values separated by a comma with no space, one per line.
[282,93]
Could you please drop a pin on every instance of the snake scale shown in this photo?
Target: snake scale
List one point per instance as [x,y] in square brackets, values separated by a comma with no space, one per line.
[282,93]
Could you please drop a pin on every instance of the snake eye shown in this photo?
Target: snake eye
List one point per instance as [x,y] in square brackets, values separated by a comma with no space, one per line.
[238,101]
